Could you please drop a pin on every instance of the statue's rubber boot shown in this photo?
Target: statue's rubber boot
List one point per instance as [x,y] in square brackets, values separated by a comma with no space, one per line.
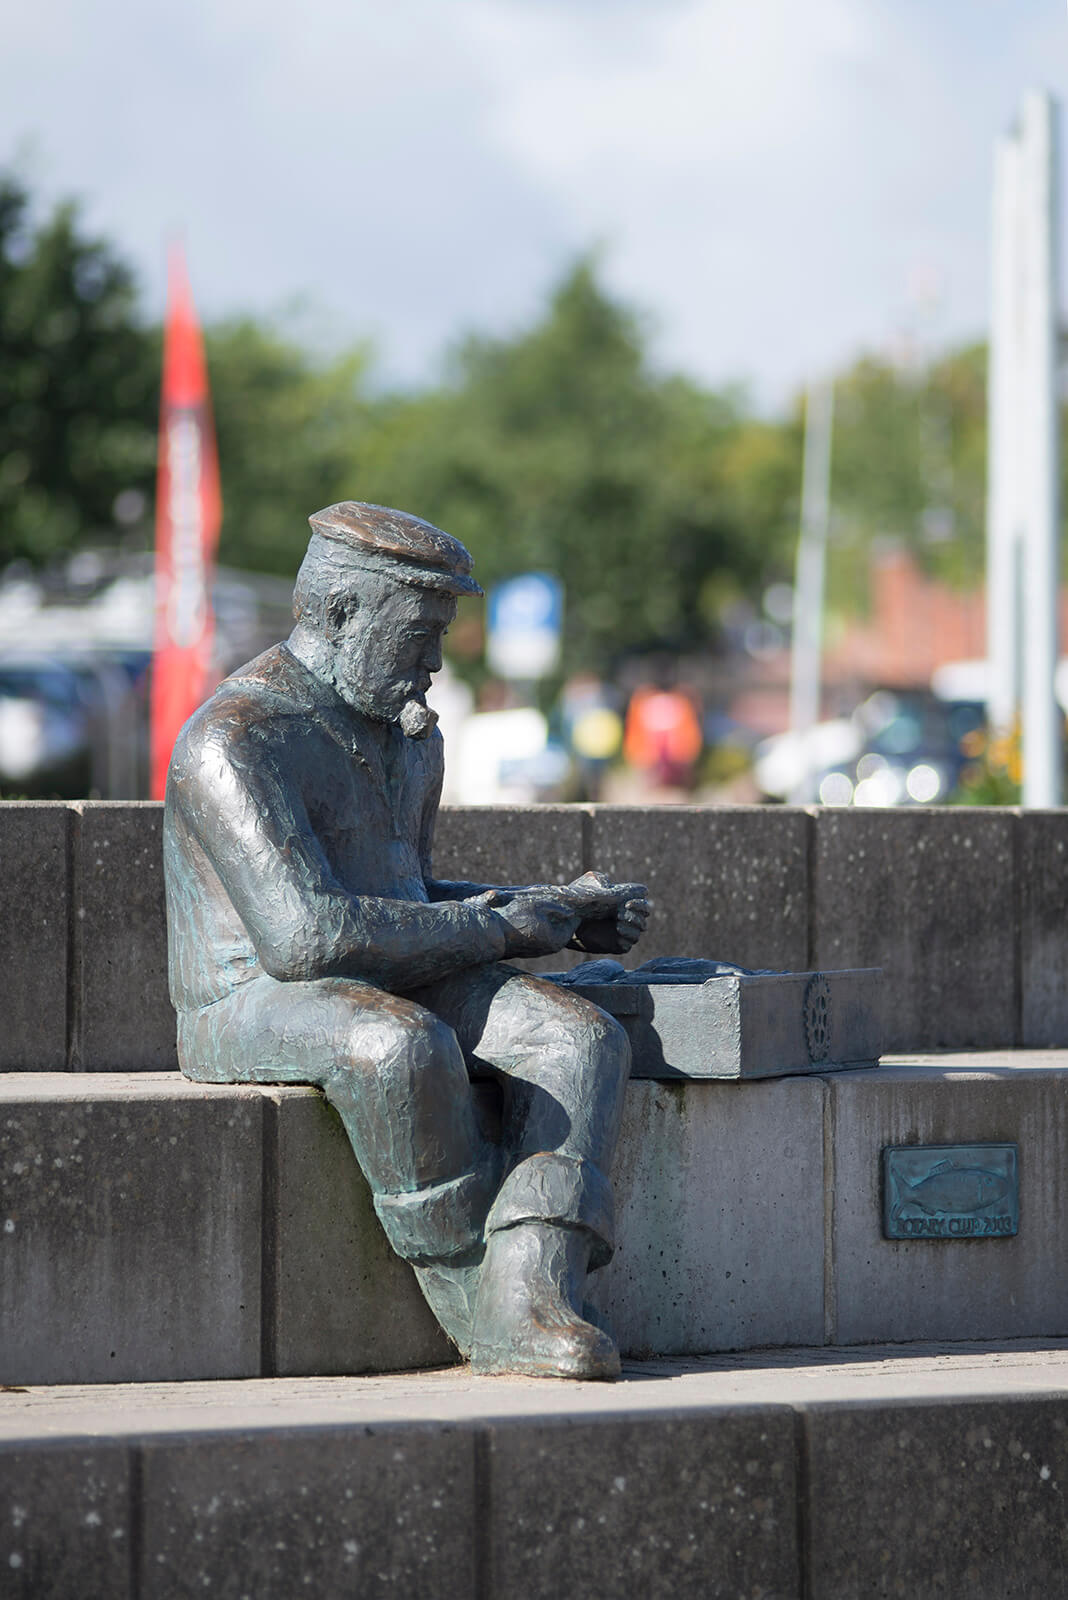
[438,1229]
[450,1290]
[550,1224]
[525,1319]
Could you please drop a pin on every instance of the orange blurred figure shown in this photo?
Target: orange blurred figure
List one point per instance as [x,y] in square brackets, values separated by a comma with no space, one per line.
[663,735]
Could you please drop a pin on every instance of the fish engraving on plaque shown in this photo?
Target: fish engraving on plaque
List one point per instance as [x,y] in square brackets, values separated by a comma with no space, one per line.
[950,1191]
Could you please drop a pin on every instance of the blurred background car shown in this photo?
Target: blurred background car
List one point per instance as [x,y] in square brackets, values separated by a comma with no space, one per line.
[899,747]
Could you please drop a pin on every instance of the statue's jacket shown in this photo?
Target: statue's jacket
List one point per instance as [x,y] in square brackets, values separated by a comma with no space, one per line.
[297,841]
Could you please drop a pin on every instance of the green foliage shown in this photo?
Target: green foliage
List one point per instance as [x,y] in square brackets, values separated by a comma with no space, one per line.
[560,450]
[78,382]
[909,462]
[657,501]
[957,384]
[287,427]
[994,774]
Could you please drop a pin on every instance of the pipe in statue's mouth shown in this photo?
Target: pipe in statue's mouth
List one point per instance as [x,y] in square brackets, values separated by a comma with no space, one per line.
[416,719]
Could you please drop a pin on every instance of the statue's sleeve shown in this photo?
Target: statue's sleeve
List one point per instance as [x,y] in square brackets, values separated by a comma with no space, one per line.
[238,799]
[429,818]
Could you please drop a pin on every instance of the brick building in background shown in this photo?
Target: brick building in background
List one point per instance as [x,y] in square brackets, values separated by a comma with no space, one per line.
[916,624]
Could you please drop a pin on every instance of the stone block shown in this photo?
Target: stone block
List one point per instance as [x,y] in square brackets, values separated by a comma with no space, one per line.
[130,1242]
[929,896]
[729,885]
[65,1521]
[719,1218]
[509,844]
[748,1027]
[123,1018]
[938,1499]
[338,1299]
[885,1290]
[34,935]
[662,1507]
[372,1511]
[1043,895]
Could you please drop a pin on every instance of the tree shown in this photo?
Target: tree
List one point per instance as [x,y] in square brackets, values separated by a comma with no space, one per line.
[288,426]
[79,378]
[561,450]
[909,463]
[79,401]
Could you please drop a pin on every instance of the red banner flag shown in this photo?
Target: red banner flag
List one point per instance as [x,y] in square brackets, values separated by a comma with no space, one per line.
[188,514]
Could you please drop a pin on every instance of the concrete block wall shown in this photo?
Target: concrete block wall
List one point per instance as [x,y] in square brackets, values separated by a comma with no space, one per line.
[887,1290]
[794,1492]
[83,938]
[153,1229]
[962,908]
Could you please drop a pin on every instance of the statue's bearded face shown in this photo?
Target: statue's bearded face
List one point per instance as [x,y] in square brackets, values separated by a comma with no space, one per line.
[385,645]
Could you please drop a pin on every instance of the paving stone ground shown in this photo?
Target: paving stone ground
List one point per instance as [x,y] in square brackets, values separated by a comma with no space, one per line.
[880,1374]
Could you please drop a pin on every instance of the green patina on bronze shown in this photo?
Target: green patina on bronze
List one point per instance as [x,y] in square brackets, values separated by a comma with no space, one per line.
[958,1191]
[310,942]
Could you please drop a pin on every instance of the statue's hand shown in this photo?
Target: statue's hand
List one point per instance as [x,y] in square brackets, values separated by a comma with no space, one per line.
[615,933]
[538,924]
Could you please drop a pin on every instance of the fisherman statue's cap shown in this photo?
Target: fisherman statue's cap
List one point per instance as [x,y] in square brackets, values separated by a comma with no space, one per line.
[399,545]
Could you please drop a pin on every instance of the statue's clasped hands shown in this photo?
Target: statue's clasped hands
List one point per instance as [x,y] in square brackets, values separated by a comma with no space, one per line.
[612,915]
[592,914]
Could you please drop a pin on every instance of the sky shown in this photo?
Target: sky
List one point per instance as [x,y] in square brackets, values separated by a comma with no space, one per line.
[776,185]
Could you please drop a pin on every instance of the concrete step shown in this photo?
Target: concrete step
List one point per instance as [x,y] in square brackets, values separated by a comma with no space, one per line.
[826,1474]
[152,1228]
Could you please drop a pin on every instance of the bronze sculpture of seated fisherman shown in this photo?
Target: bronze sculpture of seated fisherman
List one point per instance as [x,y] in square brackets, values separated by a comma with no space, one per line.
[310,943]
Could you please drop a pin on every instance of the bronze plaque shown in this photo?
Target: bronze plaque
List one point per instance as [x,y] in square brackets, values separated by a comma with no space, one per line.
[950,1191]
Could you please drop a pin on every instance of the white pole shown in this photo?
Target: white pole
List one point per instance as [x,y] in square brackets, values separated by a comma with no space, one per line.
[1041,464]
[809,581]
[1003,510]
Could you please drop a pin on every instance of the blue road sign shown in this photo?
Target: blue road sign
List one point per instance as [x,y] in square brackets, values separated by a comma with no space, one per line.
[524,622]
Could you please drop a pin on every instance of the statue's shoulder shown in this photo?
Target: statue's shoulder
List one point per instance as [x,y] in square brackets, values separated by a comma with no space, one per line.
[263,697]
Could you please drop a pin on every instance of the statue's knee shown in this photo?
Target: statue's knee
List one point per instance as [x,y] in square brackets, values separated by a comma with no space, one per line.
[430,1043]
[612,1045]
[404,1086]
[597,1052]
[404,1050]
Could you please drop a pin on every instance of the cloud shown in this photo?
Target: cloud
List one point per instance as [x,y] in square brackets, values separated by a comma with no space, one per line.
[333,149]
[692,86]
[774,176]
[769,176]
